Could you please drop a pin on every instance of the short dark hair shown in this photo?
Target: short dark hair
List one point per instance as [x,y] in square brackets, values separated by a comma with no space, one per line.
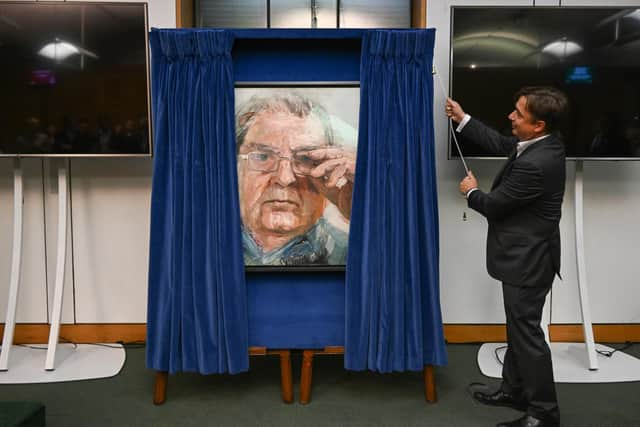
[545,103]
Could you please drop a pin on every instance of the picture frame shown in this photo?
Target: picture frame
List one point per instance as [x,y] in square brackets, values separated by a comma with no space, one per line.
[296,145]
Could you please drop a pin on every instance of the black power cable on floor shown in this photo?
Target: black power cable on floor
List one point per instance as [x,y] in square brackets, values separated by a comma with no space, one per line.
[609,353]
[126,345]
[496,353]
[605,353]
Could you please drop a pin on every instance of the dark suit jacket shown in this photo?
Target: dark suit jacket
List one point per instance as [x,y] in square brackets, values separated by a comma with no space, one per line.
[523,208]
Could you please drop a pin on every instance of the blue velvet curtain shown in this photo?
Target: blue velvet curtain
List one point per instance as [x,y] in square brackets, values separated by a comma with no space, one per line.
[197,301]
[393,317]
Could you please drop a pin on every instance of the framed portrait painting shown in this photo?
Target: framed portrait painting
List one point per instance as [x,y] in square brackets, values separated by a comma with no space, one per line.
[296,159]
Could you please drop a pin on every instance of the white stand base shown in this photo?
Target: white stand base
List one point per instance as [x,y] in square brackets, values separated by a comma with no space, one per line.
[84,362]
[570,364]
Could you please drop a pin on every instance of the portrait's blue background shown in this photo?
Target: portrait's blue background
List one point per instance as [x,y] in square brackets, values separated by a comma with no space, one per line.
[198,302]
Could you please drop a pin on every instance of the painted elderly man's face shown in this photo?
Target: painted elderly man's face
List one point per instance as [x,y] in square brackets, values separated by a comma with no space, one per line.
[281,201]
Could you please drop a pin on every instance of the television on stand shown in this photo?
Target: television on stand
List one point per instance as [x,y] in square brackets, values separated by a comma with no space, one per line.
[590,53]
[74,82]
[74,79]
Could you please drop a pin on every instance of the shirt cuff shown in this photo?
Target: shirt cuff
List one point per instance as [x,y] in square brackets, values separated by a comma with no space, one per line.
[463,123]
[469,192]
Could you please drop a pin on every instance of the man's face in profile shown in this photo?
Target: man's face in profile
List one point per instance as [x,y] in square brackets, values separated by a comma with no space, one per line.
[523,124]
[277,201]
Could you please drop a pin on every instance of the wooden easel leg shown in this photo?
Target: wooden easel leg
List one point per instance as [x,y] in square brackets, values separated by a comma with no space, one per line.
[286,377]
[429,384]
[160,387]
[305,376]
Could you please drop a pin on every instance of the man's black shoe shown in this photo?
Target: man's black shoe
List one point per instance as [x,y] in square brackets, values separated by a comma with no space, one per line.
[480,393]
[528,421]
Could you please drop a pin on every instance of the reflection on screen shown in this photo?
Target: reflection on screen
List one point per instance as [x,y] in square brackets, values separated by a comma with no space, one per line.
[592,54]
[73,79]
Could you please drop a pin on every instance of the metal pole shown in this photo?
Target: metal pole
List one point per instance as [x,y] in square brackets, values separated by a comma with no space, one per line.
[582,271]
[56,315]
[16,258]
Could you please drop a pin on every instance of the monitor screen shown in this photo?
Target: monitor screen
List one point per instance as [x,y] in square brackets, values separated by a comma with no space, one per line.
[74,79]
[590,53]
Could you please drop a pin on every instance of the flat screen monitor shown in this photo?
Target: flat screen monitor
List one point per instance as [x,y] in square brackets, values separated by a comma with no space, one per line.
[590,53]
[74,79]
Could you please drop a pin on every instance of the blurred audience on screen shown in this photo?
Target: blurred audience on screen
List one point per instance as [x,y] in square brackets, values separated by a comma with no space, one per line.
[81,135]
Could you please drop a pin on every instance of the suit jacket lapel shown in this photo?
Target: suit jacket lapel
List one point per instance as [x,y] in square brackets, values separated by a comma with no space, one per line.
[540,145]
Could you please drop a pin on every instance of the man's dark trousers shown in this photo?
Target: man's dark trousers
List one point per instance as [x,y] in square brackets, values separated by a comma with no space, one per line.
[527,371]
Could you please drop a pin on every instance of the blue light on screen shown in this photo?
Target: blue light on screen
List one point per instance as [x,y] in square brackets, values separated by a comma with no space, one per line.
[581,74]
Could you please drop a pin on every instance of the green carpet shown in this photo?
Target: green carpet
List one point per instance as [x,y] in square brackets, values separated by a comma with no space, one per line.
[339,398]
[22,414]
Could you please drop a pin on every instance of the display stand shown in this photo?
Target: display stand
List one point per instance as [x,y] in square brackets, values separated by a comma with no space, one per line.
[585,309]
[83,361]
[306,374]
[16,257]
[570,362]
[286,378]
[61,253]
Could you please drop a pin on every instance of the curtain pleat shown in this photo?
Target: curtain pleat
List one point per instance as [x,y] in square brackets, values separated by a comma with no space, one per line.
[393,316]
[197,308]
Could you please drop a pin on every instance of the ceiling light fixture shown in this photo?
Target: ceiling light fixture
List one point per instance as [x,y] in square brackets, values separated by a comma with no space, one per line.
[562,48]
[59,50]
[635,14]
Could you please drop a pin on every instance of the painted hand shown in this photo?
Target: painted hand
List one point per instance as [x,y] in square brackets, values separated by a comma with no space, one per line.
[334,175]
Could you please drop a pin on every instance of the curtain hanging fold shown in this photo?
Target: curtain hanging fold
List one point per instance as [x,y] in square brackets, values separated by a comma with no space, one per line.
[197,308]
[393,316]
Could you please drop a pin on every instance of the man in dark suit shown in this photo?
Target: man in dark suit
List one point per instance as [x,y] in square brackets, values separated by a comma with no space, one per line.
[523,211]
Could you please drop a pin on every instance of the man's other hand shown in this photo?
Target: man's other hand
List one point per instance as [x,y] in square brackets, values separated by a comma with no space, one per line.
[468,183]
[454,110]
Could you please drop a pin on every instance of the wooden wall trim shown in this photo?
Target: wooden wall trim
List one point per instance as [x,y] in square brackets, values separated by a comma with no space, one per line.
[418,13]
[474,333]
[178,13]
[614,333]
[26,333]
[602,333]
[81,334]
[185,13]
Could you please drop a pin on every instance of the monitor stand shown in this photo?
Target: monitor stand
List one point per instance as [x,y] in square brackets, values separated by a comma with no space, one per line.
[79,361]
[14,281]
[572,362]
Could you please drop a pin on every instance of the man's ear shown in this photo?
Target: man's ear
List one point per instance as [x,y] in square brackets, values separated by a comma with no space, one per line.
[540,126]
